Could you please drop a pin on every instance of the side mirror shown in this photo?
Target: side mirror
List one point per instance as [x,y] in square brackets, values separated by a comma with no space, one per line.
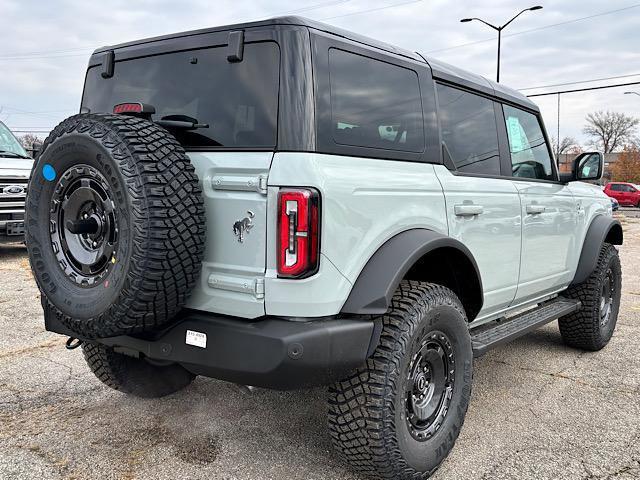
[588,166]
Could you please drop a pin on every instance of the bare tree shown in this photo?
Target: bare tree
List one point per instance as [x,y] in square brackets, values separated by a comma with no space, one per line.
[28,140]
[567,145]
[610,131]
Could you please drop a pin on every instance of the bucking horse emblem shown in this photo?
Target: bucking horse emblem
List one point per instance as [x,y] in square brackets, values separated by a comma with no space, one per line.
[244,226]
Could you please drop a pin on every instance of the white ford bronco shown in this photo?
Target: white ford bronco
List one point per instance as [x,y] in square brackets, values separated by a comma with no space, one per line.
[284,204]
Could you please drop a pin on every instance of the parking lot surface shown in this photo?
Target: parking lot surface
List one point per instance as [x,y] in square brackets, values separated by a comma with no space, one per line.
[539,410]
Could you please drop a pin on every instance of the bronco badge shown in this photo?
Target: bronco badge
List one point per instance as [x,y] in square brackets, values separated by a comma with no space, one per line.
[242,227]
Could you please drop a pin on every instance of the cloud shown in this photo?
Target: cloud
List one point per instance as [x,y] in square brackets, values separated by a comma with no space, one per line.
[46,45]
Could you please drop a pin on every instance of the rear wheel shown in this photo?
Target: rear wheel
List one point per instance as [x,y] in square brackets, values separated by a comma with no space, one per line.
[134,376]
[591,327]
[399,416]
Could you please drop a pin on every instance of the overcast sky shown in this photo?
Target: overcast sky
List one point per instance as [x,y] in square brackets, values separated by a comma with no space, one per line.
[45,45]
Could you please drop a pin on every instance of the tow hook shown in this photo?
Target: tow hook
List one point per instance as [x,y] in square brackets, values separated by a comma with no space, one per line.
[73,343]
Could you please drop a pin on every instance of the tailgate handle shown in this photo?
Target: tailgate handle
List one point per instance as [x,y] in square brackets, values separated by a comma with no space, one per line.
[468,210]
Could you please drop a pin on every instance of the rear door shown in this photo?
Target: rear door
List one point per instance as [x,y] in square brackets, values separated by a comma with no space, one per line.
[550,214]
[483,210]
[235,98]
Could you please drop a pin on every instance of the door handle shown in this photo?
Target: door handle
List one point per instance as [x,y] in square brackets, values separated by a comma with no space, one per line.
[468,210]
[535,209]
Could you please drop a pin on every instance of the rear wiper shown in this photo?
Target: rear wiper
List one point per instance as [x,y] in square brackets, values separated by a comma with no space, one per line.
[180,122]
[12,154]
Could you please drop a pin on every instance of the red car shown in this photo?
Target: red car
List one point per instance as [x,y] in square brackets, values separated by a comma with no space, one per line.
[627,194]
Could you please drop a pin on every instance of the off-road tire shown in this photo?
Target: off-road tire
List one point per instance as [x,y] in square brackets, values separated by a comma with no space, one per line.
[158,213]
[582,329]
[367,418]
[134,376]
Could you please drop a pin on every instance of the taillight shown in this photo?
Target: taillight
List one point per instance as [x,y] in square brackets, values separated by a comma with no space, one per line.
[134,108]
[298,232]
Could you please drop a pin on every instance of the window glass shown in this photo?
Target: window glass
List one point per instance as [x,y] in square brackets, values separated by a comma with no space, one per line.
[9,145]
[374,104]
[469,131]
[616,187]
[237,100]
[530,156]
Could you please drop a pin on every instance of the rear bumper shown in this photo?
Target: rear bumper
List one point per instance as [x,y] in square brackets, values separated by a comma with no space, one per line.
[270,352]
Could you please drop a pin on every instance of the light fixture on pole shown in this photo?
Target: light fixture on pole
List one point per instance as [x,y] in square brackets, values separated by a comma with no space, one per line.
[499,30]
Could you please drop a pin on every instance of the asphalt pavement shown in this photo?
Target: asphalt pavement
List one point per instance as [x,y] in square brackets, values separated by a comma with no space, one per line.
[539,410]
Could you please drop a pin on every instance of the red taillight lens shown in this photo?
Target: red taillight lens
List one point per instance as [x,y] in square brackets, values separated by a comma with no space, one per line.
[128,108]
[298,232]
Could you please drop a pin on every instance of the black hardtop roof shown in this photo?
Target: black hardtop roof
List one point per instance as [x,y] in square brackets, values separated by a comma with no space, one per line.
[440,70]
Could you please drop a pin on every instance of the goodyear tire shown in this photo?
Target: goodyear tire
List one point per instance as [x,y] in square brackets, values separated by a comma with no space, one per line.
[591,327]
[114,225]
[399,416]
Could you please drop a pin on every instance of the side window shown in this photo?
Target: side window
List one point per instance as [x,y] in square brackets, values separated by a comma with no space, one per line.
[469,131]
[616,187]
[530,156]
[375,104]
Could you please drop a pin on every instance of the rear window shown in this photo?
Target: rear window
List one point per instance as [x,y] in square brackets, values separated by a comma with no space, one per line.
[374,104]
[238,101]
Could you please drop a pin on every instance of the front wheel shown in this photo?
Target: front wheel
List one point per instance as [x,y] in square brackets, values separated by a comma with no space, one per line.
[399,416]
[591,327]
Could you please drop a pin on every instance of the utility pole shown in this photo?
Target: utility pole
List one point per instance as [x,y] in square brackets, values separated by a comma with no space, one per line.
[499,30]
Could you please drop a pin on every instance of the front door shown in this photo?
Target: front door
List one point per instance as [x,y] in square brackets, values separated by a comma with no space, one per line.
[548,208]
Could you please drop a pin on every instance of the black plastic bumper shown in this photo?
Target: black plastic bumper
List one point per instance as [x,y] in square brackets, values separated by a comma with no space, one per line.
[270,352]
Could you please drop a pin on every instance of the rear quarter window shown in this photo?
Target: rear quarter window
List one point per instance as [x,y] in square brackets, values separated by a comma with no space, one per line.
[374,104]
[238,100]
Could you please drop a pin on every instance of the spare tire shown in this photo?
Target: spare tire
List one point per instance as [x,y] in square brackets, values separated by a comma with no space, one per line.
[114,225]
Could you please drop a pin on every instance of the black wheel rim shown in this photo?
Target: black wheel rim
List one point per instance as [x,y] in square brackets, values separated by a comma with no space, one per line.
[607,294]
[429,386]
[84,225]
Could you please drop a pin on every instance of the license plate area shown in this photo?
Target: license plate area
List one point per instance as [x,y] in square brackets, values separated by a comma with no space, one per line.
[15,228]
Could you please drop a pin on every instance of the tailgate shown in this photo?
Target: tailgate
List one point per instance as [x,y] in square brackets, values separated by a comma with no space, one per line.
[234,186]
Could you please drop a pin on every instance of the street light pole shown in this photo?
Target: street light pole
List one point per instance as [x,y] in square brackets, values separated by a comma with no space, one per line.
[499,30]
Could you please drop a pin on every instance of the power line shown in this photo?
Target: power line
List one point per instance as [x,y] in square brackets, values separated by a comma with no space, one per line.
[71,52]
[371,10]
[580,81]
[588,89]
[315,7]
[609,12]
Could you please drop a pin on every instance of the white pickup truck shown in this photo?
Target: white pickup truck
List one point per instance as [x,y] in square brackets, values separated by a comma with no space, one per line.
[15,168]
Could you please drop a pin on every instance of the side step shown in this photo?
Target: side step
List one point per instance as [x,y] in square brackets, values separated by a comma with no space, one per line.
[504,330]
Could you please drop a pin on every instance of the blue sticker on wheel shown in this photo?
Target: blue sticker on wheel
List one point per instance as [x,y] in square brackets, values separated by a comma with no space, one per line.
[48,172]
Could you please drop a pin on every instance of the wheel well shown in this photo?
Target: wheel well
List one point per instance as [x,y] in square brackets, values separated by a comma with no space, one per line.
[451,268]
[614,236]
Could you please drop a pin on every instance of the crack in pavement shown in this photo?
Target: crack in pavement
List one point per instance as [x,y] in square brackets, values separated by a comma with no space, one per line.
[562,376]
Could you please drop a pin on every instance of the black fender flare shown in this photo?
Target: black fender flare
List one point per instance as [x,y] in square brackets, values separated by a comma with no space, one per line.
[371,293]
[602,228]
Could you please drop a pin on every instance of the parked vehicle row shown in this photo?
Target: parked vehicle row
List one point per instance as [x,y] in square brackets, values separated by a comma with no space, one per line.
[626,194]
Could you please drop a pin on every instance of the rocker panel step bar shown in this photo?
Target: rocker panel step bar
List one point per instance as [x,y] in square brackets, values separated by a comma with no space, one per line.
[502,331]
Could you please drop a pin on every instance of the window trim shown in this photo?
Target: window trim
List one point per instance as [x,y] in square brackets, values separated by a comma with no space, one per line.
[554,166]
[451,166]
[503,139]
[421,109]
